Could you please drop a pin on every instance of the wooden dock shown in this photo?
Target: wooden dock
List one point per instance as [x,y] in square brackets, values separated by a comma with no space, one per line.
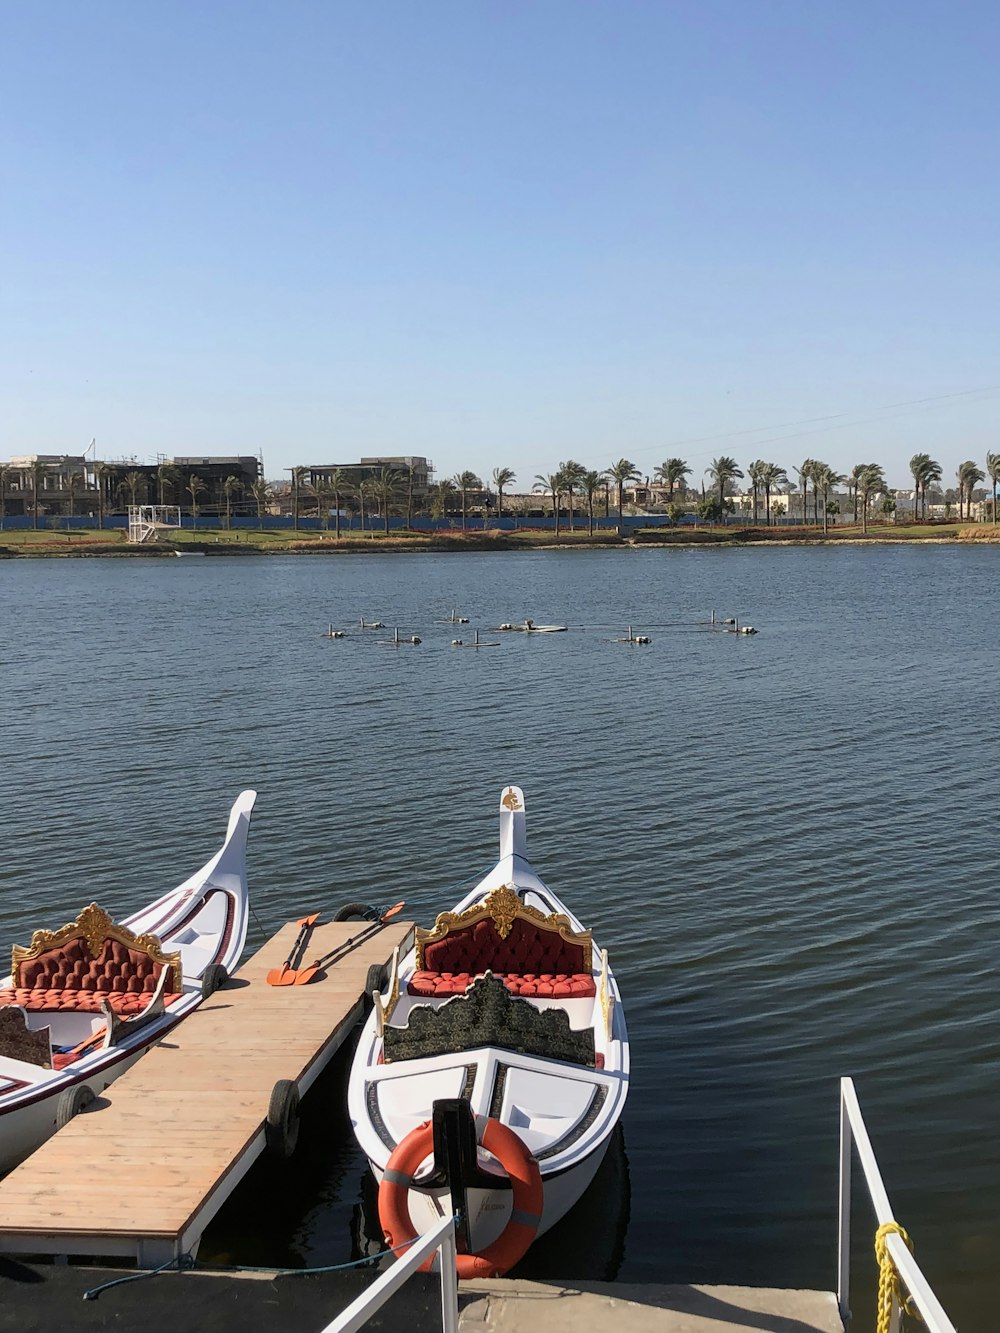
[143,1172]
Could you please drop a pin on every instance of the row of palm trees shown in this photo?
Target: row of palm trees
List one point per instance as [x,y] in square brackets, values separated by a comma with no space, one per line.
[572,482]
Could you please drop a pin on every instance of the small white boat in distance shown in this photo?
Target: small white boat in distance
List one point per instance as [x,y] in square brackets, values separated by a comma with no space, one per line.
[529,627]
[494,1067]
[85,1002]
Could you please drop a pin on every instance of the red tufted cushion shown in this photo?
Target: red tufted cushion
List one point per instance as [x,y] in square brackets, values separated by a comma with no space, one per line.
[125,1003]
[117,969]
[559,985]
[527,949]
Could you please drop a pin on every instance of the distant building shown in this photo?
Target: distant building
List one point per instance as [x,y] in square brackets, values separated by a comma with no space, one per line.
[62,485]
[411,467]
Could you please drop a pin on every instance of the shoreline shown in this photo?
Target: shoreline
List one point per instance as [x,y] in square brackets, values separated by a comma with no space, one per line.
[39,545]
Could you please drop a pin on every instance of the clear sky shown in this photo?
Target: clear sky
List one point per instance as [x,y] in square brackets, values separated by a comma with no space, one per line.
[501,232]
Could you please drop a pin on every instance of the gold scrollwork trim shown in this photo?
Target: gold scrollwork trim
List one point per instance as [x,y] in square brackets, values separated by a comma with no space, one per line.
[94,926]
[504,907]
[510,800]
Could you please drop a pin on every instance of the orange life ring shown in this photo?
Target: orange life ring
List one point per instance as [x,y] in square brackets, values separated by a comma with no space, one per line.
[526,1182]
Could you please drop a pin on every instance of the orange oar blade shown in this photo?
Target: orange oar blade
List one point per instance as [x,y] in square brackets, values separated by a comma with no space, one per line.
[283,975]
[303,977]
[393,911]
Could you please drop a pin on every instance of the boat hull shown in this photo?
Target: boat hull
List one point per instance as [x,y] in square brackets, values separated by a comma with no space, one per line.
[553,1068]
[204,920]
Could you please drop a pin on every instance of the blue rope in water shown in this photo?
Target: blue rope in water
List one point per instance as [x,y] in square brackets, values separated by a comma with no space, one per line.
[187,1262]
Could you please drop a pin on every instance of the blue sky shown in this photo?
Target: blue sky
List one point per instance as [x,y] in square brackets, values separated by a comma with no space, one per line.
[501,233]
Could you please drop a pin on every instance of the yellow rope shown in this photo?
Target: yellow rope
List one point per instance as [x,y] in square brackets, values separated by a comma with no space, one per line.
[889,1288]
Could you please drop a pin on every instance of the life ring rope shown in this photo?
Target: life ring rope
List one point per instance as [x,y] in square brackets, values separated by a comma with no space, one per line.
[526,1184]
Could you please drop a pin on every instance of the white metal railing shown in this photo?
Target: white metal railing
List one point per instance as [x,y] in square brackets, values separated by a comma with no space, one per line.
[442,1239]
[853,1132]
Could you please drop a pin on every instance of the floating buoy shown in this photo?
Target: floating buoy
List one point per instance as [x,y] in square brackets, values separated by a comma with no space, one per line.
[633,638]
[456,643]
[748,629]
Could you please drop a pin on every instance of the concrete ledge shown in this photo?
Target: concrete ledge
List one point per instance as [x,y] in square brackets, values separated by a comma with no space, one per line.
[501,1306]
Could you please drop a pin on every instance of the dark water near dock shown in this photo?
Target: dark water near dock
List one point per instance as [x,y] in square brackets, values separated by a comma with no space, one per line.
[788,843]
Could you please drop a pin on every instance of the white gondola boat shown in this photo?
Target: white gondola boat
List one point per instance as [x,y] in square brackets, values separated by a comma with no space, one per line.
[85,1002]
[494,1066]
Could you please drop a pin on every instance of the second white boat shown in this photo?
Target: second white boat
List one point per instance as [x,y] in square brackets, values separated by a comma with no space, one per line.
[494,1067]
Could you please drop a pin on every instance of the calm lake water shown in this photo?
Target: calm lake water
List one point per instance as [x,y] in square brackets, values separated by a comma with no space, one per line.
[788,843]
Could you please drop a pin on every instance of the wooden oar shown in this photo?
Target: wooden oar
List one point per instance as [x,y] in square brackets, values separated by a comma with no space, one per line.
[306,975]
[285,975]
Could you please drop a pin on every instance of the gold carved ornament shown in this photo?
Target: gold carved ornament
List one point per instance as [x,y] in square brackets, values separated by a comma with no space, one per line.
[384,1008]
[605,996]
[504,907]
[510,800]
[94,926]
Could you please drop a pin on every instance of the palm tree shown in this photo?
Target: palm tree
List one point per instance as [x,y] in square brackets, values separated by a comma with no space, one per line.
[805,473]
[101,471]
[339,485]
[384,488]
[321,490]
[74,482]
[572,475]
[297,474]
[409,496]
[552,483]
[590,484]
[722,471]
[442,496]
[918,465]
[933,473]
[621,473]
[755,473]
[771,476]
[853,479]
[366,491]
[502,476]
[131,482]
[229,486]
[672,474]
[969,477]
[167,475]
[37,470]
[992,469]
[825,478]
[261,492]
[463,483]
[870,481]
[197,487]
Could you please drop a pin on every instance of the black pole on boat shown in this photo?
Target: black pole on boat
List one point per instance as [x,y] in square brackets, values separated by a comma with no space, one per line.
[456,1160]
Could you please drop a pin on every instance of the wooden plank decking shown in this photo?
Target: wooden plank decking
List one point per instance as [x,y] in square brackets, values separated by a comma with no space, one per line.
[145,1170]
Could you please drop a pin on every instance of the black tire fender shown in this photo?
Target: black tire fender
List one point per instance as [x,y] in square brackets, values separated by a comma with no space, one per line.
[71,1102]
[356,912]
[214,976]
[281,1128]
[376,979]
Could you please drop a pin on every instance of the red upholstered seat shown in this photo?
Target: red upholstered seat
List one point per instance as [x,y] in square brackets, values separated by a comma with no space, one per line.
[551,985]
[42,999]
[71,967]
[527,950]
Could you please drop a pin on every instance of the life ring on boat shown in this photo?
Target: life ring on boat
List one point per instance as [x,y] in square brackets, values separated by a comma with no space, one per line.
[526,1213]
